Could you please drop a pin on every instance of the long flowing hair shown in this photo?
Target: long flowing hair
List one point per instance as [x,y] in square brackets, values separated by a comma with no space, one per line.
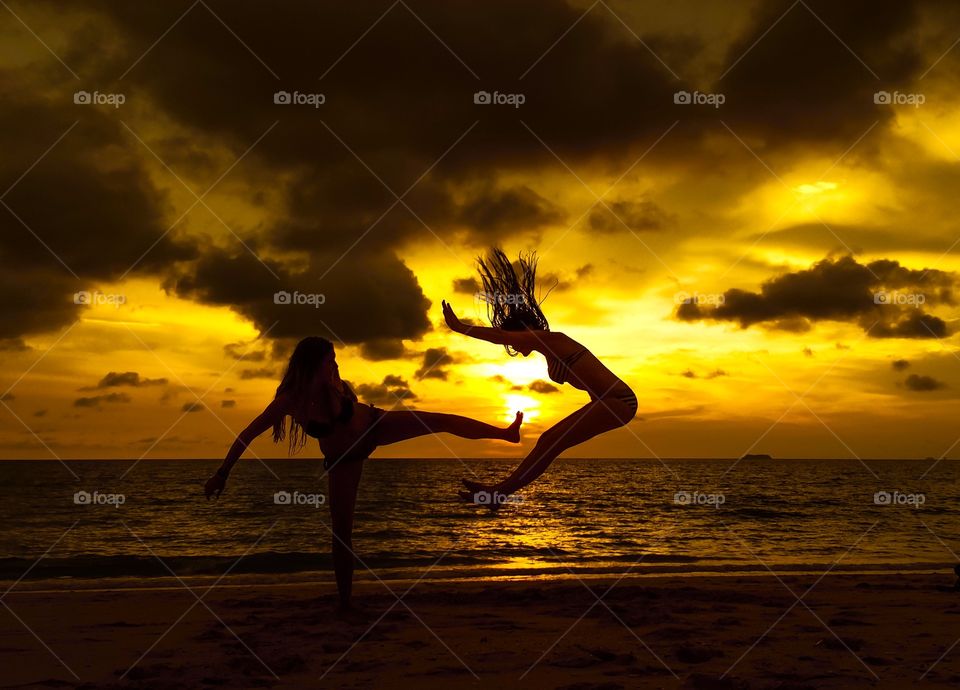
[510,291]
[297,381]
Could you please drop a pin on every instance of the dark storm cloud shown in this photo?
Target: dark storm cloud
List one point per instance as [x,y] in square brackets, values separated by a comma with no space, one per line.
[261,373]
[383,349]
[585,270]
[394,380]
[881,296]
[423,102]
[115,379]
[95,401]
[627,215]
[842,238]
[364,296]
[691,374]
[497,213]
[539,386]
[228,403]
[435,361]
[399,121]
[192,407]
[391,391]
[467,286]
[13,345]
[801,84]
[243,351]
[899,364]
[597,97]
[46,305]
[84,212]
[923,384]
[551,280]
[89,200]
[914,325]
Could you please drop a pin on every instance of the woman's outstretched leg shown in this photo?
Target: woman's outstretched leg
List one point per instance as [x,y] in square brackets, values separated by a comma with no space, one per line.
[400,425]
[589,421]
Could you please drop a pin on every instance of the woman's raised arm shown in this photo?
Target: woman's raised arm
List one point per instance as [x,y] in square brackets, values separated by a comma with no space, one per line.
[266,419]
[517,339]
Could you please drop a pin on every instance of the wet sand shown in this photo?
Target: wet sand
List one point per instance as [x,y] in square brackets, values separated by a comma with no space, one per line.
[879,631]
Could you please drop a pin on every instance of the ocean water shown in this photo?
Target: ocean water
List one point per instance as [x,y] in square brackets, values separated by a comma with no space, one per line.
[582,516]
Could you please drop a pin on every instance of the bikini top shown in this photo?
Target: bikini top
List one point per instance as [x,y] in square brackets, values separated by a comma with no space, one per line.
[318,429]
[559,369]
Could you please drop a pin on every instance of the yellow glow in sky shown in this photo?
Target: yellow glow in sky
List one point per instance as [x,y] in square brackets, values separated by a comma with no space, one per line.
[816,188]
[521,403]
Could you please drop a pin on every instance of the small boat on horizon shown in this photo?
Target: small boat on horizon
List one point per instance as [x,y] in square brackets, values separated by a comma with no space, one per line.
[756,456]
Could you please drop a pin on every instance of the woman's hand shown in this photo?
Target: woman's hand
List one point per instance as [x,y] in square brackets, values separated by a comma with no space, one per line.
[453,322]
[215,486]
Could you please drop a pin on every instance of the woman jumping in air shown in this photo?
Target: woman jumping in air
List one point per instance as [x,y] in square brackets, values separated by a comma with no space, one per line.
[319,404]
[520,326]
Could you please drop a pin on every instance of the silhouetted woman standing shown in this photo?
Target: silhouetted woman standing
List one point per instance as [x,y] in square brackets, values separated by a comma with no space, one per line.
[319,404]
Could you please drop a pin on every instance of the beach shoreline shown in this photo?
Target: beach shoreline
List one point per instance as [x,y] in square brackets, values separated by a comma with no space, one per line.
[648,631]
[465,576]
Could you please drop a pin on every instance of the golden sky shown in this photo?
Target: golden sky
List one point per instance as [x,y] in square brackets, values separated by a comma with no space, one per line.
[803,203]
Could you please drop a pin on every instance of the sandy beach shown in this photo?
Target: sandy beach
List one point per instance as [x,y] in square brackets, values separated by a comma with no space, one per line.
[851,630]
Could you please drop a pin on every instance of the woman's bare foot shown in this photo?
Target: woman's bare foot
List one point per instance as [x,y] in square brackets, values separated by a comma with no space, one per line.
[512,432]
[475,487]
[482,498]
